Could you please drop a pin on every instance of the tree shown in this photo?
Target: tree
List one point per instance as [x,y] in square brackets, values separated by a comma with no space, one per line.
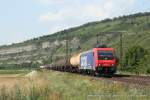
[144,64]
[133,57]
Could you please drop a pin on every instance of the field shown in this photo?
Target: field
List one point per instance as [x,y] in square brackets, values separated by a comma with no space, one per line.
[50,85]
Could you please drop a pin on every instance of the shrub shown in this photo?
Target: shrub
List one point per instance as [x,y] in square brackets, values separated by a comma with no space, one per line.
[134,58]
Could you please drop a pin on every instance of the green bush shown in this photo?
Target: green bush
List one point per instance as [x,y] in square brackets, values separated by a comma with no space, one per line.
[135,58]
[145,64]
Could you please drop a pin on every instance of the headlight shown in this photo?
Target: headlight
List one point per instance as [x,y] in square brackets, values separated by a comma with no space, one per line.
[112,64]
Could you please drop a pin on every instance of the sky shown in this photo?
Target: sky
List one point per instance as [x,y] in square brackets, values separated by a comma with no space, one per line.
[21,20]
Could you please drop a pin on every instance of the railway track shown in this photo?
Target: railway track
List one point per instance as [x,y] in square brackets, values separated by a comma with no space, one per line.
[126,79]
[131,79]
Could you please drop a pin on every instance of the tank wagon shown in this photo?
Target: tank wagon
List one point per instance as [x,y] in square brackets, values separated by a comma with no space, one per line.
[94,61]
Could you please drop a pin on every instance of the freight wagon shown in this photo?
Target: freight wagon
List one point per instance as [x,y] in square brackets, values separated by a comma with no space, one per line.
[95,61]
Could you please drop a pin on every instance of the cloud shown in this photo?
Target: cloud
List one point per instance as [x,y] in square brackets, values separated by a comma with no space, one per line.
[95,12]
[82,13]
[77,12]
[55,16]
[48,17]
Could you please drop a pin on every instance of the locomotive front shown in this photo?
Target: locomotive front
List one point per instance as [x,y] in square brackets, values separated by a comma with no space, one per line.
[105,60]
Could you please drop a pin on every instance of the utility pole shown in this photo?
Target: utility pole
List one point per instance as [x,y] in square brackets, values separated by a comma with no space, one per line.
[101,37]
[67,48]
[51,57]
[121,51]
[97,36]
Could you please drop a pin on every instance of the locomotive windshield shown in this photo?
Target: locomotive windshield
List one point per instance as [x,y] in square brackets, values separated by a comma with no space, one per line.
[105,55]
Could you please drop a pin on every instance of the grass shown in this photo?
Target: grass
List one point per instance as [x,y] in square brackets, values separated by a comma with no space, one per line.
[50,85]
[14,71]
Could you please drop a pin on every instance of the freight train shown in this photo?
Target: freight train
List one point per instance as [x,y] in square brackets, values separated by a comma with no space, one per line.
[99,60]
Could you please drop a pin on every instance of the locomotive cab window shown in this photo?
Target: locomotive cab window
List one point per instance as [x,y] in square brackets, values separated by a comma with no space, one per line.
[105,55]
